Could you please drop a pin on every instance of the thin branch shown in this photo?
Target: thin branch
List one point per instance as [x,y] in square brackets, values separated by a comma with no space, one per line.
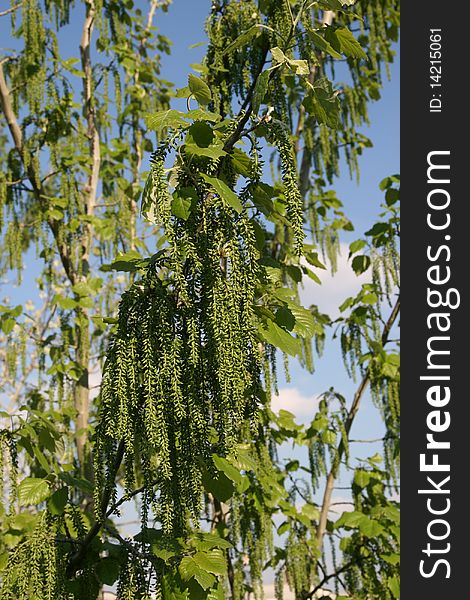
[11,9]
[305,162]
[105,512]
[68,541]
[129,496]
[247,107]
[367,441]
[92,129]
[76,559]
[332,475]
[82,392]
[327,578]
[17,137]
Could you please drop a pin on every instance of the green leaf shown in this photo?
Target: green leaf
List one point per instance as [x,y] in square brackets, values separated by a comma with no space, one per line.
[349,519]
[346,304]
[305,324]
[358,520]
[292,465]
[283,528]
[189,568]
[329,437]
[55,213]
[280,338]
[369,298]
[334,4]
[389,181]
[208,541]
[213,561]
[356,246]
[33,491]
[312,258]
[378,229]
[180,206]
[110,320]
[294,273]
[278,55]
[164,119]
[16,312]
[7,325]
[205,579]
[394,586]
[201,133]
[86,302]
[164,553]
[242,39]
[81,289]
[286,419]
[129,262]
[376,459]
[321,43]
[392,195]
[199,67]
[311,512]
[347,43]
[214,151]
[200,114]
[149,535]
[194,590]
[360,263]
[370,528]
[300,67]
[285,318]
[229,470]
[221,487]
[323,104]
[57,501]
[262,194]
[260,90]
[199,89]
[225,193]
[81,484]
[107,570]
[392,559]
[244,458]
[241,162]
[311,274]
[183,92]
[361,478]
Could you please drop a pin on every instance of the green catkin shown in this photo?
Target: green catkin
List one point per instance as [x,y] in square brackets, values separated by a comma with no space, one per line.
[169,373]
[35,568]
[279,584]
[292,195]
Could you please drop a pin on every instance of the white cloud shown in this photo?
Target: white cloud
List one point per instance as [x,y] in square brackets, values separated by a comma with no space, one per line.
[291,399]
[339,505]
[94,381]
[334,289]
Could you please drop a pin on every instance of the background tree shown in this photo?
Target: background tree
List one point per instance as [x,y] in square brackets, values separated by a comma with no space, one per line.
[211,269]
